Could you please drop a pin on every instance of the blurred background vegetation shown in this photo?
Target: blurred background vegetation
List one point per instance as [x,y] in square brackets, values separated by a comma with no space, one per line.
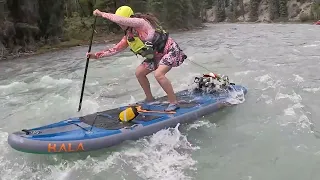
[26,25]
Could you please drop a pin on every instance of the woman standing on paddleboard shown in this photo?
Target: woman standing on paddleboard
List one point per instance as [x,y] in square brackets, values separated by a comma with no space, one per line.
[145,37]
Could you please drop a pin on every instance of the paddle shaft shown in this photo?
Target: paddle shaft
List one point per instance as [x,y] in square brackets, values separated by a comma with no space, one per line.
[87,64]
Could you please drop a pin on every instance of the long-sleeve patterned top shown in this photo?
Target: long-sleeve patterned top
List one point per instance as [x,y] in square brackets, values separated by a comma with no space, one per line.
[144,29]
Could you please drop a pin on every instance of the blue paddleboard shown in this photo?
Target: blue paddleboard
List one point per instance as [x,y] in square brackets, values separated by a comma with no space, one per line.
[103,129]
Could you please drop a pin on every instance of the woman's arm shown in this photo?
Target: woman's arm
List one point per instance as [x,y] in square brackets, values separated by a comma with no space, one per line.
[131,22]
[122,45]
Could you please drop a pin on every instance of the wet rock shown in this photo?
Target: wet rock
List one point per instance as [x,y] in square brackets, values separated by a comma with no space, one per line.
[268,11]
[8,34]
[26,33]
[293,9]
[211,15]
[17,49]
[3,51]
[263,11]
[52,40]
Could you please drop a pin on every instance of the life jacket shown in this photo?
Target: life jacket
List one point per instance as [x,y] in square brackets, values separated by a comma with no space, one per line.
[147,49]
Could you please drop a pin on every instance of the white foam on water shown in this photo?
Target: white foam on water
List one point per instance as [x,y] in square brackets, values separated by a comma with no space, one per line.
[268,99]
[92,83]
[314,90]
[135,62]
[201,123]
[301,148]
[289,112]
[311,45]
[297,106]
[101,166]
[296,98]
[296,50]
[264,79]
[13,87]
[294,113]
[41,107]
[164,155]
[51,104]
[269,81]
[241,73]
[43,82]
[6,164]
[47,80]
[304,122]
[25,169]
[298,78]
[3,142]
[236,97]
[252,60]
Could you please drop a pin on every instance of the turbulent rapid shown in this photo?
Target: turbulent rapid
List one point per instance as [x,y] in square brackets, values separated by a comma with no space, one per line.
[272,134]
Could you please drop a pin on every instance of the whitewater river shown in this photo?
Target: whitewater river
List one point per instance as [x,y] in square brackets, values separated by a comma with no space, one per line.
[272,135]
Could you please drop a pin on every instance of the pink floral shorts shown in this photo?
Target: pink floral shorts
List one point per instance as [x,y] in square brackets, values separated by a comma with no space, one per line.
[172,56]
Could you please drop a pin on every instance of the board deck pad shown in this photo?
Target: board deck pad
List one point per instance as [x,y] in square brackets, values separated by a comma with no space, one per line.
[100,121]
[109,119]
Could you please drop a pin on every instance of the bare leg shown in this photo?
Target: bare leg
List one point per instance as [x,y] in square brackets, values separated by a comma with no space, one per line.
[165,83]
[141,74]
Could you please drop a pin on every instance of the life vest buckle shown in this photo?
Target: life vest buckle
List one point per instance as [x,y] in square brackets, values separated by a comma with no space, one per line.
[130,38]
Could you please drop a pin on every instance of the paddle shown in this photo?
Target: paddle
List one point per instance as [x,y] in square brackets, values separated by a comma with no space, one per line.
[87,64]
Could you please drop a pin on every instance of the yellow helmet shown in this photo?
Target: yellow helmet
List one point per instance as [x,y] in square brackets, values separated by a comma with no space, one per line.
[124,11]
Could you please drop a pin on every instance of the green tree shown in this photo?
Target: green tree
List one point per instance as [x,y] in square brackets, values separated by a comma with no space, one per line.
[283,10]
[220,10]
[315,10]
[158,8]
[254,5]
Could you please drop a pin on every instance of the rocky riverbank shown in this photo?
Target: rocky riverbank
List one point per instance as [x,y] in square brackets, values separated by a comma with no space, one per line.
[33,27]
[110,38]
[99,38]
[267,11]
